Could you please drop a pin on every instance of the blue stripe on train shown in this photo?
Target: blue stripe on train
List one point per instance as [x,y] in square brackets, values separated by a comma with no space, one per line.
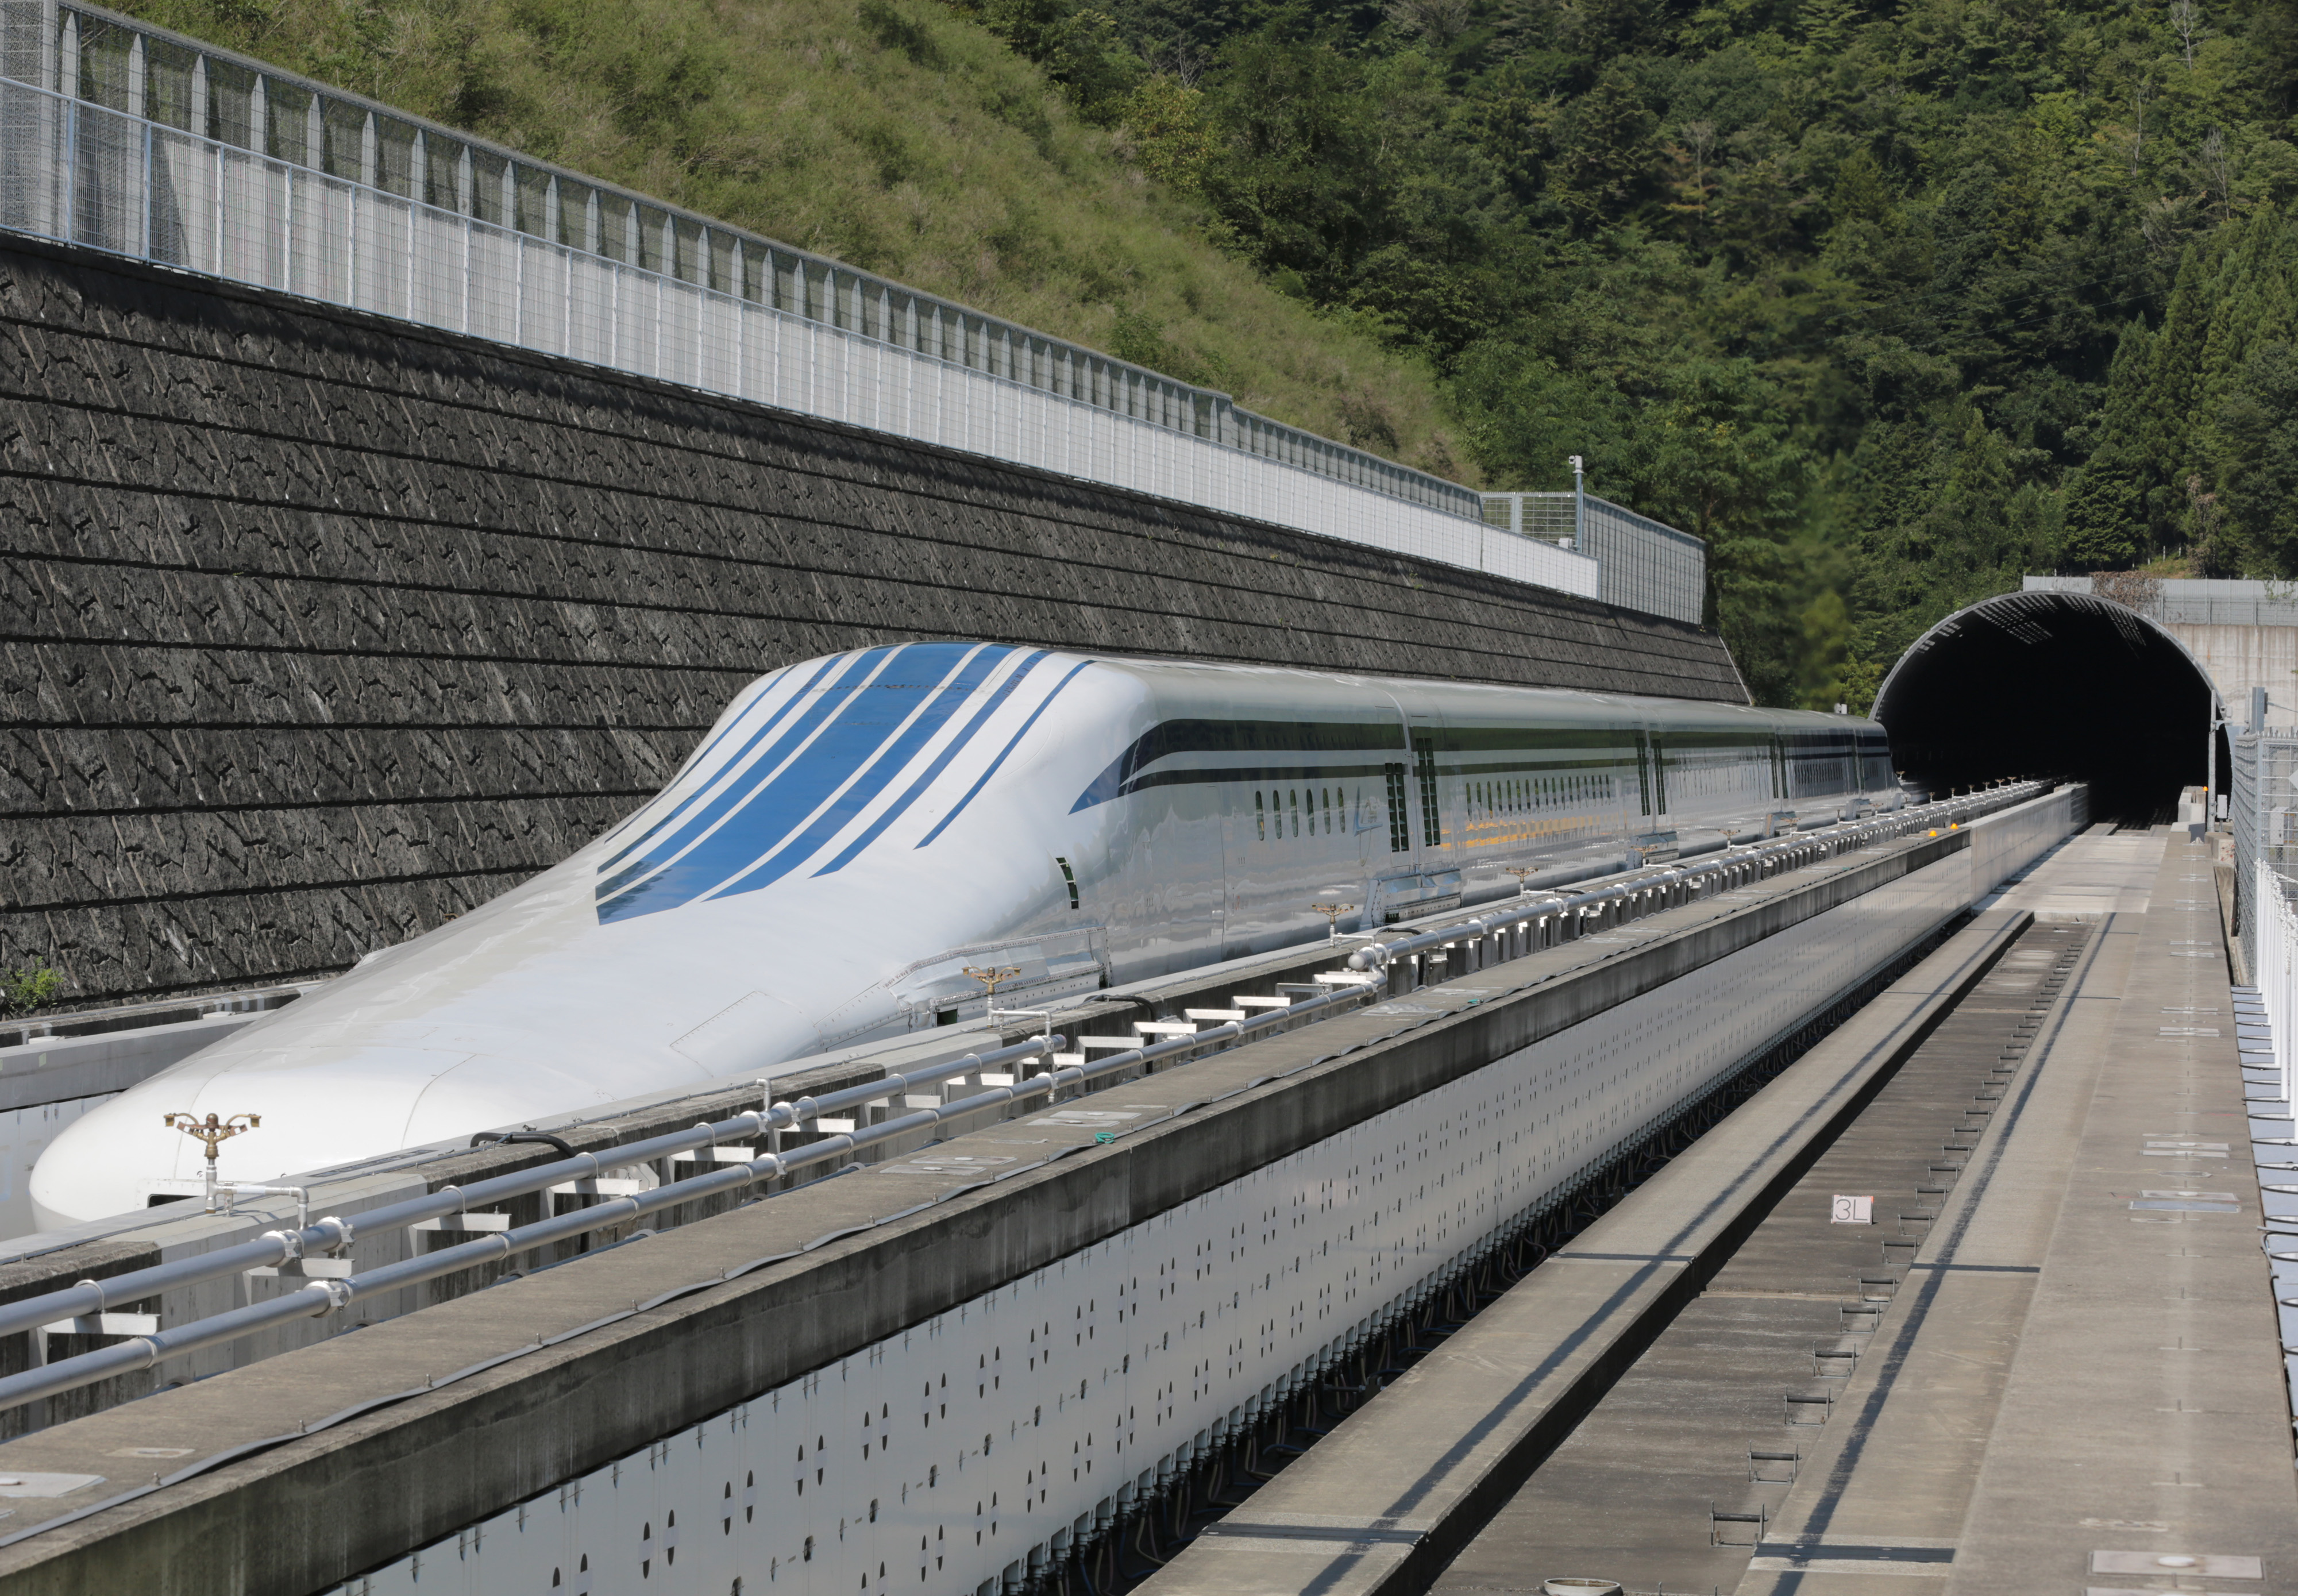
[1011,744]
[703,784]
[841,810]
[702,825]
[932,772]
[862,747]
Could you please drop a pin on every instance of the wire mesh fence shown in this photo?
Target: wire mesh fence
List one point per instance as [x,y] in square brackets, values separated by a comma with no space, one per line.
[126,138]
[1646,565]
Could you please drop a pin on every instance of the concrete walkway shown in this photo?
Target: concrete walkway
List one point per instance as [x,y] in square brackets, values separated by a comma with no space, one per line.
[2079,1388]
[2099,872]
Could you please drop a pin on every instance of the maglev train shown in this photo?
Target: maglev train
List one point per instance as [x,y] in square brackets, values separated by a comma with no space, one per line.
[858,831]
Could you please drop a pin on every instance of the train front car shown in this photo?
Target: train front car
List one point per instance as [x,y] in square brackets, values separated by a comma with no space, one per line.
[812,876]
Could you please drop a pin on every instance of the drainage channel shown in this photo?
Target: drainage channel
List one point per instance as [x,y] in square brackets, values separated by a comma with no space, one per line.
[1226,1480]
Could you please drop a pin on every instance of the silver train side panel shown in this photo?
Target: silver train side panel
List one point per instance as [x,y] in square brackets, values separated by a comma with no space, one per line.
[936,1460]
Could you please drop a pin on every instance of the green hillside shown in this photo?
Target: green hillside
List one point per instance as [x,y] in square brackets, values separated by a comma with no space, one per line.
[1892,300]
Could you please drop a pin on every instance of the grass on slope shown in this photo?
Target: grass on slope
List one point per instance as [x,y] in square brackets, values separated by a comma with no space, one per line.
[889,134]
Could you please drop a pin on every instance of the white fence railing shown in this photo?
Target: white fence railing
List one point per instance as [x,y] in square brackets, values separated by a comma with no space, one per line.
[1647,565]
[127,139]
[2273,964]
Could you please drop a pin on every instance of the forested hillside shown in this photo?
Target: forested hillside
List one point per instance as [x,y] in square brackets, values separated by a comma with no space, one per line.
[1892,302]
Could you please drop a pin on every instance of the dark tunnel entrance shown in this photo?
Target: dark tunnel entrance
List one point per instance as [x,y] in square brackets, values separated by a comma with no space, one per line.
[2054,684]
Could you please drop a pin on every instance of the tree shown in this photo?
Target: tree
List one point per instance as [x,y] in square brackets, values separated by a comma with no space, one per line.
[2258,424]
[2106,495]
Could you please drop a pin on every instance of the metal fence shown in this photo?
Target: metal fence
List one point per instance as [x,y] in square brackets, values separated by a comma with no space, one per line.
[127,139]
[2262,806]
[2271,936]
[1646,565]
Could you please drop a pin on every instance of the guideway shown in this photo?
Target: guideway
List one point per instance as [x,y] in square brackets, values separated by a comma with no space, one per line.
[2047,1363]
[987,1362]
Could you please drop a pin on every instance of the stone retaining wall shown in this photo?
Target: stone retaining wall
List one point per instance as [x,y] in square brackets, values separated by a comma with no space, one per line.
[317,630]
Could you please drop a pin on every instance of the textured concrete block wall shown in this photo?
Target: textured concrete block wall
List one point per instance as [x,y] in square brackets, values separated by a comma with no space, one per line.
[316,629]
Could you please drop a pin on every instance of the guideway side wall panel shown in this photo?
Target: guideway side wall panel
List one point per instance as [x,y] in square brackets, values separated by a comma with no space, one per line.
[319,629]
[1214,1257]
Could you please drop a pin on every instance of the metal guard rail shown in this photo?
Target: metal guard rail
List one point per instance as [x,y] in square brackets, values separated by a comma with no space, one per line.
[174,86]
[1378,955]
[332,1234]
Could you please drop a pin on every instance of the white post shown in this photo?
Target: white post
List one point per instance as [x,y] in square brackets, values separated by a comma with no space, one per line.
[1579,504]
[2211,774]
[418,195]
[50,34]
[68,84]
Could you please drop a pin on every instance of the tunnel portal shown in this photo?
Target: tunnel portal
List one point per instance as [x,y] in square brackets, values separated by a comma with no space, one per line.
[2056,684]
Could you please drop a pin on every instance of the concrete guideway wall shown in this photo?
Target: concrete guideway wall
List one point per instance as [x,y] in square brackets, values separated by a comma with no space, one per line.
[320,628]
[2000,848]
[1256,1209]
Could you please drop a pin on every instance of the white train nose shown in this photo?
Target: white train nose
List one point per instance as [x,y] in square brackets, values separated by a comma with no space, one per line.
[362,1104]
[107,1162]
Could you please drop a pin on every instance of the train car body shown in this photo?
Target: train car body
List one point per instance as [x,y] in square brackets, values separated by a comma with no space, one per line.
[857,830]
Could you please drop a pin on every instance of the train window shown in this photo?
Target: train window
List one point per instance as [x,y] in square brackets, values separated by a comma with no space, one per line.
[1400,837]
[1260,818]
[1294,794]
[1432,819]
[1069,880]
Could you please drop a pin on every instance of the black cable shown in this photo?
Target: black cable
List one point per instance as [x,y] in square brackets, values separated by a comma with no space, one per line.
[490,1138]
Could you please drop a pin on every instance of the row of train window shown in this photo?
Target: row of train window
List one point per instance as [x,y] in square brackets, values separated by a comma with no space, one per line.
[1529,795]
[1273,809]
[1290,810]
